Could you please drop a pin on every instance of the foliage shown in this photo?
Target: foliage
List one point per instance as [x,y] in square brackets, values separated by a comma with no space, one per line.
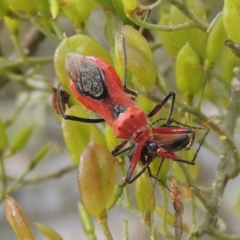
[187,38]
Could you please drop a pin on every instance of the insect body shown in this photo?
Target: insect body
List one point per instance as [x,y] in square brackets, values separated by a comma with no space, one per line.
[98,87]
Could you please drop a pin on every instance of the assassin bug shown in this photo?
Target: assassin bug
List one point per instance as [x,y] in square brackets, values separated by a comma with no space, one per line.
[98,87]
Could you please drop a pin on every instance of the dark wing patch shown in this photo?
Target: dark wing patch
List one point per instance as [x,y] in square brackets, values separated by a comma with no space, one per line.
[87,76]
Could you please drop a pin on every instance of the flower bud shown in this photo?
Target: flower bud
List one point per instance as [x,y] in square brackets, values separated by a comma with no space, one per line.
[165,36]
[231,19]
[48,232]
[12,24]
[54,8]
[228,61]
[96,179]
[22,5]
[129,5]
[18,220]
[77,10]
[138,54]
[189,72]
[216,39]
[180,37]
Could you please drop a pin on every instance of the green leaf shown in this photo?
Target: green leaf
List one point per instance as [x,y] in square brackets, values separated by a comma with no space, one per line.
[48,232]
[86,221]
[3,138]
[21,139]
[40,154]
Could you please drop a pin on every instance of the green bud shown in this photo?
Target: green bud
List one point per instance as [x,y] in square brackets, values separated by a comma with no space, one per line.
[43,7]
[3,138]
[104,3]
[18,220]
[216,39]
[96,179]
[189,72]
[54,8]
[21,139]
[228,61]
[231,19]
[23,5]
[118,7]
[81,44]
[40,155]
[48,232]
[139,57]
[165,36]
[86,221]
[77,10]
[129,5]
[12,24]
[177,39]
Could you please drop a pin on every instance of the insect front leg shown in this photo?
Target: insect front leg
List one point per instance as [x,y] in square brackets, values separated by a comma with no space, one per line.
[118,149]
[134,161]
[161,104]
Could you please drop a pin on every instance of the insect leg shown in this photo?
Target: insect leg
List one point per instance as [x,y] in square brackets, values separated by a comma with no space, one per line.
[116,151]
[133,93]
[160,105]
[192,162]
[70,117]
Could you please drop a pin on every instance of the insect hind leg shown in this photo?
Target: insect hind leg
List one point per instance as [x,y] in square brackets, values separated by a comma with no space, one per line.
[192,162]
[70,117]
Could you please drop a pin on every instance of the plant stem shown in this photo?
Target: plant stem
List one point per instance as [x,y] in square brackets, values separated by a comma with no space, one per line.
[3,176]
[103,223]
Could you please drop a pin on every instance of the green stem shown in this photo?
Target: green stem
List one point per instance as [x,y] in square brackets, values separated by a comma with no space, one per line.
[103,223]
[193,211]
[36,21]
[133,17]
[18,48]
[57,174]
[125,230]
[206,78]
[163,191]
[17,111]
[17,62]
[194,186]
[226,168]
[15,184]
[3,176]
[189,14]
[215,127]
